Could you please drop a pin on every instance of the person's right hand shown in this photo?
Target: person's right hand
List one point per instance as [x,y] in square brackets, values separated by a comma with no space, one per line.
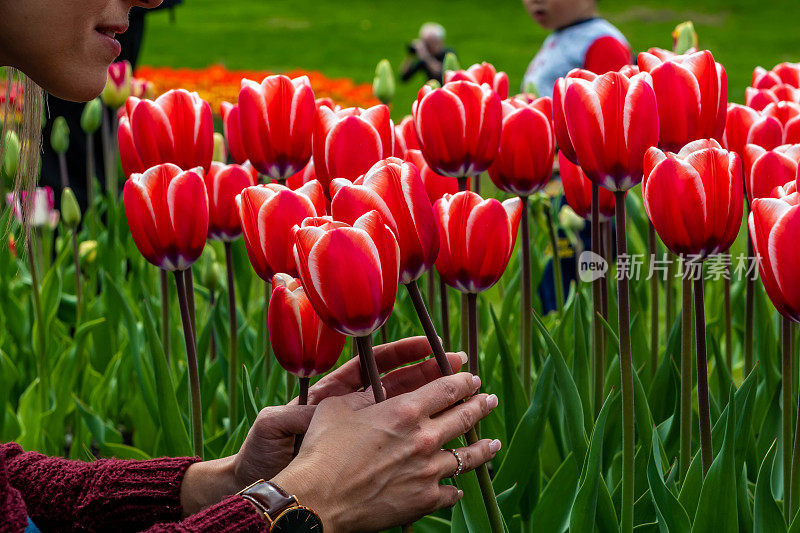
[366,467]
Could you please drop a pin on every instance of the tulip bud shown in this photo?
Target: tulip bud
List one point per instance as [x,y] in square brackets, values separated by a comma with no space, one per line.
[569,220]
[11,150]
[433,84]
[70,210]
[684,37]
[383,84]
[59,136]
[220,153]
[87,252]
[450,62]
[92,116]
[210,272]
[530,88]
[118,84]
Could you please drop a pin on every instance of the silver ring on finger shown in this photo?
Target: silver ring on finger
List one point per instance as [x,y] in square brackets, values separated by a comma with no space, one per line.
[460,467]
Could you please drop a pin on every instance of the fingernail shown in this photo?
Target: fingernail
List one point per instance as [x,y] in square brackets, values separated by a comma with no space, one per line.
[460,494]
[494,446]
[476,381]
[463,356]
[491,401]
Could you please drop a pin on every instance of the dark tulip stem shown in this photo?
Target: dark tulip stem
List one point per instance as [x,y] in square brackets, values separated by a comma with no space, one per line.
[669,293]
[464,317]
[525,303]
[302,399]
[462,184]
[726,291]
[557,278]
[430,279]
[786,411]
[384,335]
[90,170]
[190,298]
[472,327]
[62,171]
[444,312]
[651,240]
[165,331]
[233,351]
[428,328]
[626,371]
[703,409]
[476,184]
[598,361]
[212,299]
[367,358]
[289,386]
[191,357]
[686,376]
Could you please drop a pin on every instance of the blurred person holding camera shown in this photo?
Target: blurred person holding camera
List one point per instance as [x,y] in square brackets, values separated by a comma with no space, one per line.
[426,53]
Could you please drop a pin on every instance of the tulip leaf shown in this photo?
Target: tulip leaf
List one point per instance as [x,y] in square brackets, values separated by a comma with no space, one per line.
[768,516]
[250,406]
[582,517]
[581,365]
[432,524]
[555,504]
[514,401]
[573,408]
[716,508]
[516,467]
[672,517]
[471,504]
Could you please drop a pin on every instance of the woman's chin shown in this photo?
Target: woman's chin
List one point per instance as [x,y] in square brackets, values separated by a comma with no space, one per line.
[77,88]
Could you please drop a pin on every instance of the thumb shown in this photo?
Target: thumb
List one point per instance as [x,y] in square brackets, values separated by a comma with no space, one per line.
[285,419]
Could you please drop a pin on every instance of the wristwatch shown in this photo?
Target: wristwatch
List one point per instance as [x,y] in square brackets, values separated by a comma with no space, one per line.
[281,510]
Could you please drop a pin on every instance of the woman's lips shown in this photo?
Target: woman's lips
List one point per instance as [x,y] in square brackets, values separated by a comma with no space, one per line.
[108,37]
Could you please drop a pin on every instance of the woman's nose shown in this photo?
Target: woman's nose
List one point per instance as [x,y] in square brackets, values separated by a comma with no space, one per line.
[147,4]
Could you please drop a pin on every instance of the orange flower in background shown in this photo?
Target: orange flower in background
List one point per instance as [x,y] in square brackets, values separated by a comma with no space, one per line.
[217,84]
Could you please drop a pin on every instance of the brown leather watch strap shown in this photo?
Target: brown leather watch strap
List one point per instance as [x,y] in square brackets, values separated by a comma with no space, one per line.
[270,497]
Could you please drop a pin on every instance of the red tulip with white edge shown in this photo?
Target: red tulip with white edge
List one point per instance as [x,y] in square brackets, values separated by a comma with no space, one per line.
[233,132]
[788,73]
[481,73]
[767,169]
[223,183]
[779,123]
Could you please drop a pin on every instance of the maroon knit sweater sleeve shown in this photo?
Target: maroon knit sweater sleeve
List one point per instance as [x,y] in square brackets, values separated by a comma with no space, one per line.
[108,495]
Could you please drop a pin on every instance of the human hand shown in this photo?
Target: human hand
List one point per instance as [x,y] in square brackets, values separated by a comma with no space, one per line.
[366,467]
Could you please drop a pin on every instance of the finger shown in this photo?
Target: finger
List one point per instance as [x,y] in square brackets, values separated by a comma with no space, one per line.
[359,400]
[284,420]
[448,497]
[443,392]
[471,456]
[461,418]
[347,378]
[412,377]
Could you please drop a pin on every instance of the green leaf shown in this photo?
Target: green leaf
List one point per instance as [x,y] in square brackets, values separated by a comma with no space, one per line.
[553,510]
[514,401]
[581,364]
[716,509]
[122,451]
[768,516]
[103,432]
[250,406]
[582,517]
[573,416]
[176,437]
[472,504]
[672,517]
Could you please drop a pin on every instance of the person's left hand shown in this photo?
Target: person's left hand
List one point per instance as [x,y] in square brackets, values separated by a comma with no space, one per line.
[269,445]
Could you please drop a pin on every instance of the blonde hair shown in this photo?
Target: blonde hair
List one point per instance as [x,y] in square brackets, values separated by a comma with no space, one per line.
[28,129]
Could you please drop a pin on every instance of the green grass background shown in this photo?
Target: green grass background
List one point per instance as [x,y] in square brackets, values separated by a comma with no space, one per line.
[347,38]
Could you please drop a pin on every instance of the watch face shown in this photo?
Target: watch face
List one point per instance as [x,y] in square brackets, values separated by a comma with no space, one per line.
[297,520]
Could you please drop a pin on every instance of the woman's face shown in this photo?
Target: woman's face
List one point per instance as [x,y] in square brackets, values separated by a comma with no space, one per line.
[64,45]
[554,14]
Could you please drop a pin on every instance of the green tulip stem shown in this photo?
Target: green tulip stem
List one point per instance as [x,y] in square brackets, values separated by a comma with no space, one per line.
[41,345]
[190,299]
[626,370]
[90,170]
[367,358]
[703,409]
[726,295]
[76,259]
[686,377]
[651,241]
[525,303]
[557,278]
[749,312]
[191,358]
[165,331]
[794,491]
[669,293]
[444,312]
[62,170]
[212,299]
[598,361]
[233,363]
[110,155]
[786,411]
[472,317]
[302,399]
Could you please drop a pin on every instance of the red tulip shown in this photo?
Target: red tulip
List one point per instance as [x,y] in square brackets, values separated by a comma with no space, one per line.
[233,131]
[167,211]
[527,146]
[223,183]
[348,142]
[694,197]
[578,191]
[559,111]
[773,225]
[408,132]
[612,121]
[394,189]
[779,124]
[303,344]
[477,238]
[436,185]
[268,213]
[758,99]
[176,128]
[692,95]
[788,73]
[304,176]
[458,127]
[277,118]
[767,169]
[481,73]
[350,273]
[739,120]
